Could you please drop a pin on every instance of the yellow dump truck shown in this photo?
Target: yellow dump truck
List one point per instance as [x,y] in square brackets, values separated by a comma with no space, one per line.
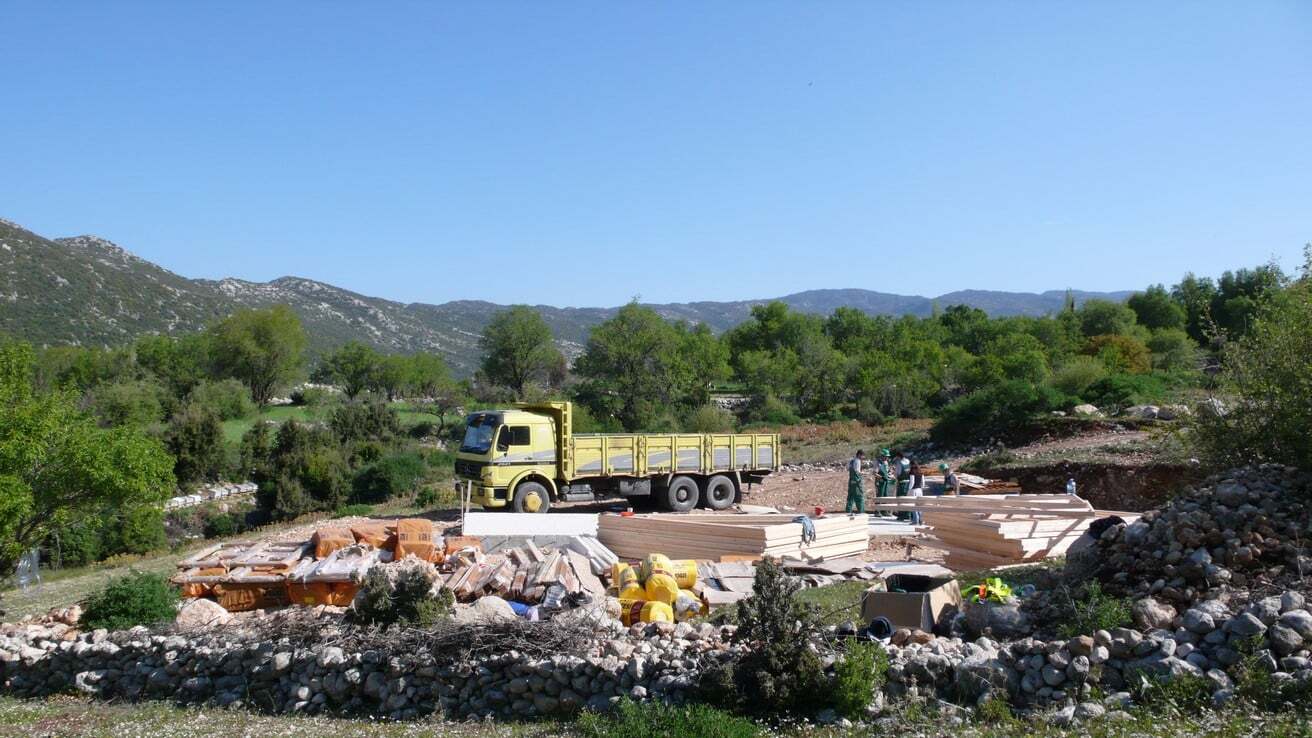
[527,457]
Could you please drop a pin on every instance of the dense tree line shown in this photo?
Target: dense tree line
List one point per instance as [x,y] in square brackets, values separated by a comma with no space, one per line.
[976,374]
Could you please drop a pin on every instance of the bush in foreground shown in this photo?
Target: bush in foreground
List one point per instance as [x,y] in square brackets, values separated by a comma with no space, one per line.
[778,672]
[138,598]
[658,720]
[405,600]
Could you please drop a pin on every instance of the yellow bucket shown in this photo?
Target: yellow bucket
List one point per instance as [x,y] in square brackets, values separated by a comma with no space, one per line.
[634,592]
[662,588]
[656,564]
[684,572]
[622,576]
[657,612]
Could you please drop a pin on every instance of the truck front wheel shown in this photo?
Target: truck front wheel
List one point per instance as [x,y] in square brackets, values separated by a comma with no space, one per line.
[681,495]
[719,492]
[531,497]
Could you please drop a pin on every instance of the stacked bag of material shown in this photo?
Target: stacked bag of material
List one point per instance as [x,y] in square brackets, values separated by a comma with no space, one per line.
[658,590]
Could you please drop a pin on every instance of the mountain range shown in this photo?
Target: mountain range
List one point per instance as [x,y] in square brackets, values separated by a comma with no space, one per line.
[86,290]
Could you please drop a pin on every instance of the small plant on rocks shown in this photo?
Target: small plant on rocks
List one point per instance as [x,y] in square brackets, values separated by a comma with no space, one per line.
[861,671]
[1093,610]
[406,600]
[138,598]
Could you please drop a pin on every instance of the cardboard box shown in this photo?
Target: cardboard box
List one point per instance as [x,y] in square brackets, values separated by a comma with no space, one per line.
[911,600]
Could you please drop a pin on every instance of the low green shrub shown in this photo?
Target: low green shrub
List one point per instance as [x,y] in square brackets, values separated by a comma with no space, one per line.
[397,475]
[229,399]
[437,497]
[407,600]
[138,598]
[1092,610]
[857,675]
[311,396]
[632,719]
[356,510]
[710,419]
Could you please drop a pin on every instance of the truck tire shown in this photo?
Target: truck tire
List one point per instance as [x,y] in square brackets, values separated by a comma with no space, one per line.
[719,492]
[531,497]
[681,495]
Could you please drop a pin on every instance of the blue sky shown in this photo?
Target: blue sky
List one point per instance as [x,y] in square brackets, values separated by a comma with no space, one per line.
[582,154]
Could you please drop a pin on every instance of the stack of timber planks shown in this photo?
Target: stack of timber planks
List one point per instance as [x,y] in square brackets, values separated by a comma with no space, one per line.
[730,537]
[523,574]
[989,531]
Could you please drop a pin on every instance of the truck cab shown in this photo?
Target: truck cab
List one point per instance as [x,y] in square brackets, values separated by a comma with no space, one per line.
[510,458]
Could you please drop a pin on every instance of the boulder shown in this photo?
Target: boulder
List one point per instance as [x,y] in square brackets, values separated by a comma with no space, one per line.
[201,613]
[1150,614]
[1143,412]
[1087,410]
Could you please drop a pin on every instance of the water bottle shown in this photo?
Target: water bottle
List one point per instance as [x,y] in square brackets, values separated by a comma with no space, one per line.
[1070,486]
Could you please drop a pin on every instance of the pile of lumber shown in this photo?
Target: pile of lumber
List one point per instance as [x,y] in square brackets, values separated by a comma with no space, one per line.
[523,574]
[987,531]
[729,537]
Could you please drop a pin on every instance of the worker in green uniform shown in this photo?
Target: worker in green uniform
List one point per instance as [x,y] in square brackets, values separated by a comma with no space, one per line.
[856,491]
[885,476]
[902,472]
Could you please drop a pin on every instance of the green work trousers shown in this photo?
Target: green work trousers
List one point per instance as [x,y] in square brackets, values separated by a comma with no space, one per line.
[856,498]
[904,489]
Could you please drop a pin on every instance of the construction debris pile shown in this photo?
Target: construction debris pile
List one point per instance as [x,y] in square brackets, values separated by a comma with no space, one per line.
[329,568]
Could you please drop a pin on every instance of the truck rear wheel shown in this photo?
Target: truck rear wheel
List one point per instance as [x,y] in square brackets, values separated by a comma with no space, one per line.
[719,492]
[681,495]
[531,497]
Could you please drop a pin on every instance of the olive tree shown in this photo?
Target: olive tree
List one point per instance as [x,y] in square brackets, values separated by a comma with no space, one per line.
[262,348]
[57,466]
[518,350]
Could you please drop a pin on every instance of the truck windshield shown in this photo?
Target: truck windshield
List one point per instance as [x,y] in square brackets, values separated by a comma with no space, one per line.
[479,432]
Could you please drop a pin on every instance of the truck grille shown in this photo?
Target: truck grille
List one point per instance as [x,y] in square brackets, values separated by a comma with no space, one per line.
[469,469]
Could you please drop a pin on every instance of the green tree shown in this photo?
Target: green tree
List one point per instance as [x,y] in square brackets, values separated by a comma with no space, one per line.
[353,367]
[1104,317]
[262,348]
[429,380]
[226,398]
[1120,354]
[1155,309]
[137,403]
[57,466]
[633,367]
[180,363]
[195,438]
[518,350]
[1173,350]
[390,375]
[1268,381]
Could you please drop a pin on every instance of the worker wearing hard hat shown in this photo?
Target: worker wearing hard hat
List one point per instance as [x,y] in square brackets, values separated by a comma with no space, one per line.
[885,475]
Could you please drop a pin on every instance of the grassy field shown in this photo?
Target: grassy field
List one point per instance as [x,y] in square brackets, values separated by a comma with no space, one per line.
[814,444]
[77,718]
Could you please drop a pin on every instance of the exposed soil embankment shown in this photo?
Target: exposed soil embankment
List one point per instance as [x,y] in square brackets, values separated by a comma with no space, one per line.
[1106,486]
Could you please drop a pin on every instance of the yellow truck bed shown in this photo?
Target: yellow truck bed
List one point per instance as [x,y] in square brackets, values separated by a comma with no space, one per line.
[642,454]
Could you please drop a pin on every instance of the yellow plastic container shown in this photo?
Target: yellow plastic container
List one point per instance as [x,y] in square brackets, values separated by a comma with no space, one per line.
[662,588]
[684,572]
[657,612]
[622,575]
[655,564]
[637,611]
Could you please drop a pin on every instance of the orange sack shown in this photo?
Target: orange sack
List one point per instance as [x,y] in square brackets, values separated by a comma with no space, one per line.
[414,536]
[380,535]
[330,538]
